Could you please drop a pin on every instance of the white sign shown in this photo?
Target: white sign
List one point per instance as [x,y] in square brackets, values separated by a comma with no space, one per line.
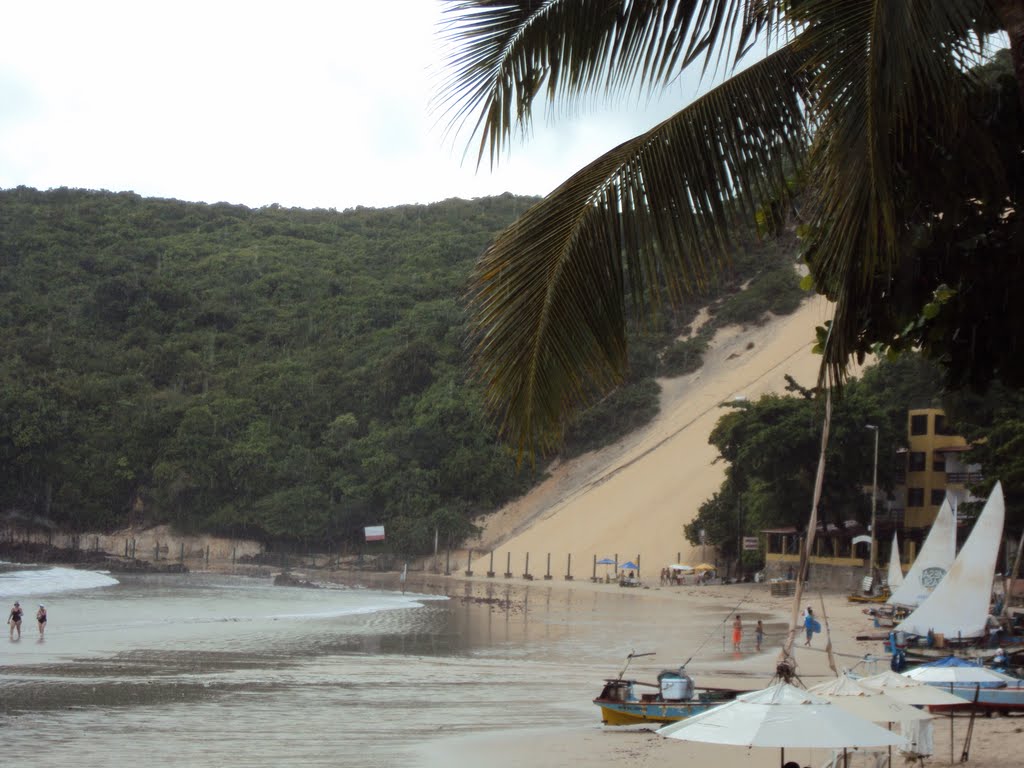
[750,542]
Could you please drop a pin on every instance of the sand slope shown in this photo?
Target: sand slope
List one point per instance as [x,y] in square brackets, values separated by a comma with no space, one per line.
[634,497]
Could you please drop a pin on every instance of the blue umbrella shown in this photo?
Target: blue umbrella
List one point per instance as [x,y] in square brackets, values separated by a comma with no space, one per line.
[629,566]
[606,561]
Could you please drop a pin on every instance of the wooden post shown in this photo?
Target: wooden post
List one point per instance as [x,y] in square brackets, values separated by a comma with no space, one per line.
[490,568]
[469,563]
[547,575]
[1013,577]
[526,571]
[508,566]
[568,567]
[447,561]
[207,555]
[126,549]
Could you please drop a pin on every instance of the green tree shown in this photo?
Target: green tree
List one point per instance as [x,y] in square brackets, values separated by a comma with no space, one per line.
[869,105]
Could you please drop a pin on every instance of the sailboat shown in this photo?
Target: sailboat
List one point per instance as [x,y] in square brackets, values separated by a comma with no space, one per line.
[894,577]
[931,564]
[958,608]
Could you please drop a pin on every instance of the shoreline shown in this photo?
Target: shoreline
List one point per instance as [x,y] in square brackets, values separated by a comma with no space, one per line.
[600,608]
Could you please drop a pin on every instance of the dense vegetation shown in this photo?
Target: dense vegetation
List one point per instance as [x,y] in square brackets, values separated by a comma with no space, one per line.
[284,374]
[772,445]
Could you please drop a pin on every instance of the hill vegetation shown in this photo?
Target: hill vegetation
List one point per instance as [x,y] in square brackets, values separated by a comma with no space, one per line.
[283,374]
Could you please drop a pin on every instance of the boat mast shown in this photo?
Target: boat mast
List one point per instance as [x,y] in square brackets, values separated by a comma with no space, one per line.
[786,666]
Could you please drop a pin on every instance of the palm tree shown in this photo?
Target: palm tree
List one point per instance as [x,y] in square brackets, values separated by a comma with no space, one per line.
[857,101]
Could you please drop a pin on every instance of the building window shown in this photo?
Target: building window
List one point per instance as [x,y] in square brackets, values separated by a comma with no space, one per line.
[915,497]
[941,428]
[916,461]
[939,462]
[919,424]
[938,496]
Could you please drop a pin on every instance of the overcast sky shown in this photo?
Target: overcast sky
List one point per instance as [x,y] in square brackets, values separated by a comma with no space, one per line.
[311,103]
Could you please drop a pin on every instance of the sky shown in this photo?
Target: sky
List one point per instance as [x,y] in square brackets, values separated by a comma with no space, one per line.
[310,104]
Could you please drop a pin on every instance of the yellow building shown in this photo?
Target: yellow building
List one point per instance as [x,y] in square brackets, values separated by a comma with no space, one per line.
[934,467]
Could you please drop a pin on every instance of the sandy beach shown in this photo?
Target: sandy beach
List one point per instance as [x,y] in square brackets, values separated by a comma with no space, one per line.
[996,741]
[632,499]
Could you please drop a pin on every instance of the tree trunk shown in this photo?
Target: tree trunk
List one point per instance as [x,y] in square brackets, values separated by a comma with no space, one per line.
[1011,18]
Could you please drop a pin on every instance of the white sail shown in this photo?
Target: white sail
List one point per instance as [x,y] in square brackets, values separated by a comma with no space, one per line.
[932,562]
[958,608]
[895,576]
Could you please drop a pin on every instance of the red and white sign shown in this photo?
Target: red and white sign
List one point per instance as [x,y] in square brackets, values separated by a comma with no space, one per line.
[374,532]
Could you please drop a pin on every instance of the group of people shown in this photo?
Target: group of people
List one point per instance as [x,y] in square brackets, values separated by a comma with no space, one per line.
[737,633]
[810,624]
[14,620]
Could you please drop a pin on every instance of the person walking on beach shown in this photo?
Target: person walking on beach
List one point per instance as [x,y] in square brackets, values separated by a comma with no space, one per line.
[14,620]
[758,635]
[41,620]
[737,632]
[809,623]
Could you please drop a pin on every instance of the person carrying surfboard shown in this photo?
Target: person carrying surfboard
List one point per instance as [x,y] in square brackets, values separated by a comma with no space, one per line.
[811,624]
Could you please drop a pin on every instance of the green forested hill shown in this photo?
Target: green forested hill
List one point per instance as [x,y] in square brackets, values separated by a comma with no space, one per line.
[285,374]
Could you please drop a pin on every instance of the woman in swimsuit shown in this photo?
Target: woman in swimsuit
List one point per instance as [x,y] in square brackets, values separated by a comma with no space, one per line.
[737,632]
[41,619]
[15,619]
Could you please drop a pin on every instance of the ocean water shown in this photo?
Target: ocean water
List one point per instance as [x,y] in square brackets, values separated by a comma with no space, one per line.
[216,670]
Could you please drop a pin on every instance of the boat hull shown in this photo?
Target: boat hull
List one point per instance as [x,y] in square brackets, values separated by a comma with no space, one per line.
[651,712]
[1009,699]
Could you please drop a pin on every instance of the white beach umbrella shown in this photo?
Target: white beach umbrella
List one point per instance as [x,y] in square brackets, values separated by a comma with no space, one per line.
[870,703]
[967,674]
[909,691]
[781,716]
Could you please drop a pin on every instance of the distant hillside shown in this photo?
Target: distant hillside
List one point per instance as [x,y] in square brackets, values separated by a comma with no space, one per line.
[283,374]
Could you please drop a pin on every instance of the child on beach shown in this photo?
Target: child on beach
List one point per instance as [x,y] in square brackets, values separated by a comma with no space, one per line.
[758,635]
[737,632]
[41,619]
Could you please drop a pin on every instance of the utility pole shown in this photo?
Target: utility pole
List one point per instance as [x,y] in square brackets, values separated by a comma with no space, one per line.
[874,502]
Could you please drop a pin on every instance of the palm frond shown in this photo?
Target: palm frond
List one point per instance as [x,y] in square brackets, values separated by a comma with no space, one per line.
[652,216]
[505,52]
[889,86]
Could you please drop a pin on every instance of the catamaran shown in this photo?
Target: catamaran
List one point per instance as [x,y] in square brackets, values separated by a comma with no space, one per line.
[958,608]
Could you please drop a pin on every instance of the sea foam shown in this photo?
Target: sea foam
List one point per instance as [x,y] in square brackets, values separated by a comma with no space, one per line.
[49,581]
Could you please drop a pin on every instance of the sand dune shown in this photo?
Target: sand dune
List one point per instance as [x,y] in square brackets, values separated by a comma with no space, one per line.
[633,498]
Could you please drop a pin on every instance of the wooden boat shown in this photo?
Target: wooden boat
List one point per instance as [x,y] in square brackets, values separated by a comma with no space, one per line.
[674,699]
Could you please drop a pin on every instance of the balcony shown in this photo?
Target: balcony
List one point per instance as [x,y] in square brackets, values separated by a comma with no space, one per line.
[964,478]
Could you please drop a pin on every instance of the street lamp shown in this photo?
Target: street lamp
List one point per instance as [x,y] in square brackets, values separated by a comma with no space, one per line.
[874,498]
